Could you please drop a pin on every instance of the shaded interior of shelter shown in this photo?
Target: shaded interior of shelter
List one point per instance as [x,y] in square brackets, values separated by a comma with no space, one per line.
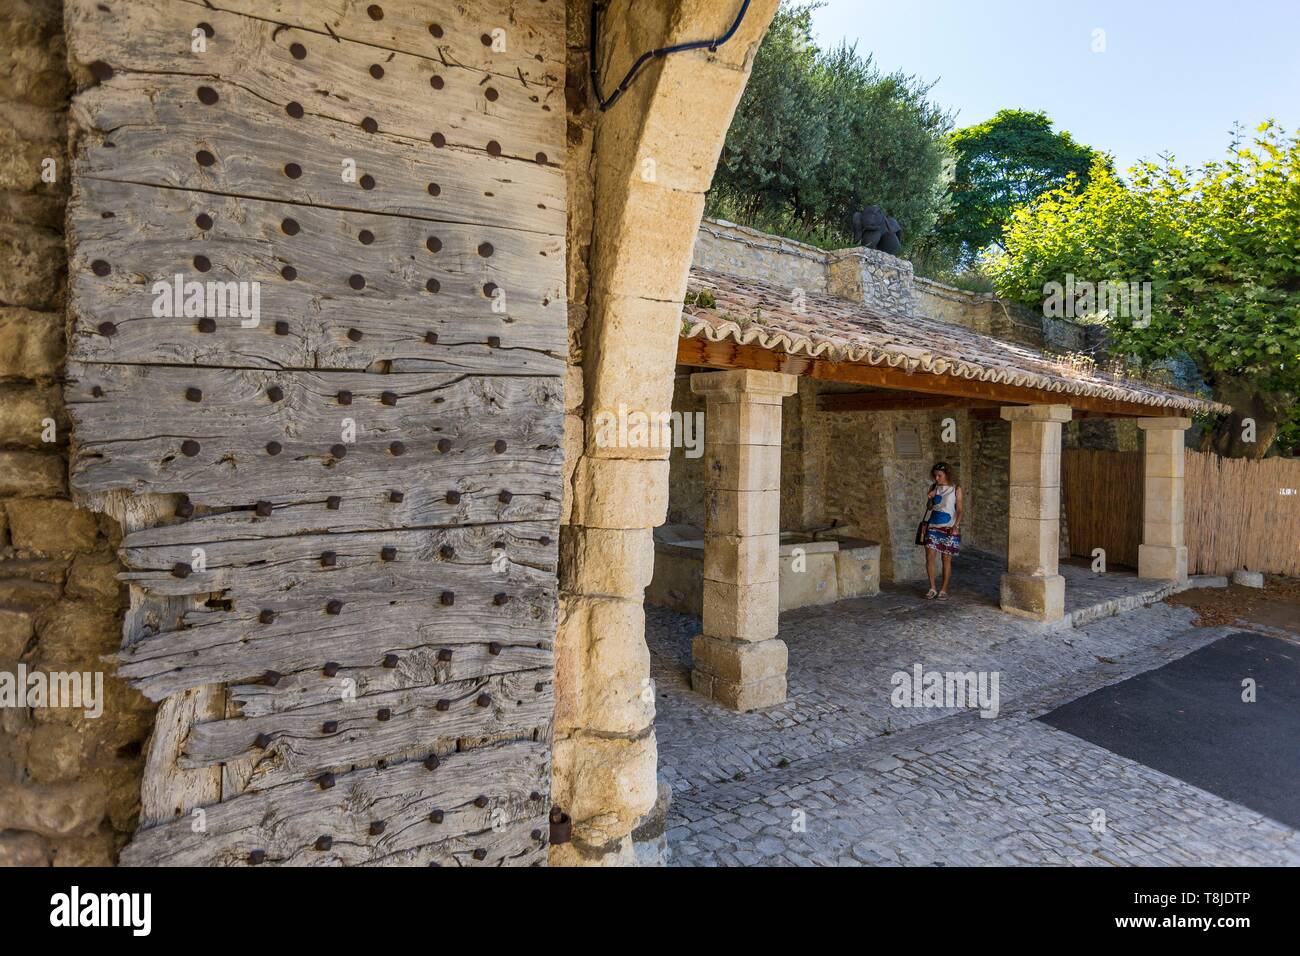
[824,388]
[853,484]
[972,606]
[975,583]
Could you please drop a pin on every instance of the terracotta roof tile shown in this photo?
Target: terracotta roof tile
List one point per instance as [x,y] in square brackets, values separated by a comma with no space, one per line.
[750,312]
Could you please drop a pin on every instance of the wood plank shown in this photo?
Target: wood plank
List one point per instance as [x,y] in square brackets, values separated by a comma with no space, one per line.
[418,567]
[259,568]
[286,822]
[418,668]
[395,446]
[704,354]
[422,506]
[394,312]
[299,746]
[534,30]
[522,843]
[159,146]
[234,647]
[166,791]
[993,413]
[335,79]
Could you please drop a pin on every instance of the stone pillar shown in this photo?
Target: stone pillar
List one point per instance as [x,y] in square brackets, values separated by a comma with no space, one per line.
[1163,554]
[738,660]
[1032,587]
[636,176]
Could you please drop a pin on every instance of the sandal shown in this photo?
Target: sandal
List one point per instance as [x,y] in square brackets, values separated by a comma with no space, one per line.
[931,594]
[943,595]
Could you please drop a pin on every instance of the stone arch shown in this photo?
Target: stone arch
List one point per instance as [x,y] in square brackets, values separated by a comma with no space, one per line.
[642,167]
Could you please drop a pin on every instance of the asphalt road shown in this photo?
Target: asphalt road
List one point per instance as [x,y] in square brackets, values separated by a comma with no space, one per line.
[1188,719]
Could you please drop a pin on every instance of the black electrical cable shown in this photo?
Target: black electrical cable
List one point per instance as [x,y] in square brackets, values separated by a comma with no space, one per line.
[710,45]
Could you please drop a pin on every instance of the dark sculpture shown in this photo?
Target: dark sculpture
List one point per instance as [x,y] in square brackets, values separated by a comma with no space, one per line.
[875,230]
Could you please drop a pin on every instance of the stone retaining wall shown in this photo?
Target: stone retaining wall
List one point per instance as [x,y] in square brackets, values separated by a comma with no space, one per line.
[723,246]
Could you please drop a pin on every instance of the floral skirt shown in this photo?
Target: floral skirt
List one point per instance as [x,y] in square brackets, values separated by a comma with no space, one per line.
[937,539]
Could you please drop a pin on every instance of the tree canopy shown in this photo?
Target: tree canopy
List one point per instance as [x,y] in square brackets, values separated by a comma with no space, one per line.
[820,134]
[1001,164]
[1220,245]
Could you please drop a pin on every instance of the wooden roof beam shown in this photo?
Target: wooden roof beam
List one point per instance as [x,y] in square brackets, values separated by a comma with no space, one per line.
[703,353]
[900,401]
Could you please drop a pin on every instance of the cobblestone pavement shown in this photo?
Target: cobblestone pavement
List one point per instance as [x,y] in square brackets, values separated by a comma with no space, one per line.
[837,775]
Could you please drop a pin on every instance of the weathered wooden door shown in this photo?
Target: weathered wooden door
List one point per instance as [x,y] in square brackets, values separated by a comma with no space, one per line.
[317,274]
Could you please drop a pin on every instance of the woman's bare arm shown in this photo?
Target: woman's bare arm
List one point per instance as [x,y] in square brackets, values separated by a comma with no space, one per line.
[960,509]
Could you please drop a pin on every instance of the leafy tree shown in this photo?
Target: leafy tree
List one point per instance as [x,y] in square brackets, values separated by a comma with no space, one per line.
[1001,164]
[1220,245]
[820,134]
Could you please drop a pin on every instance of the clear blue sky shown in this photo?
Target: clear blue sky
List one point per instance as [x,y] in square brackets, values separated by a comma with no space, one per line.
[1173,77]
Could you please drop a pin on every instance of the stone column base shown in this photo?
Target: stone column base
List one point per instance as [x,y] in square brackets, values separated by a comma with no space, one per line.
[740,676]
[1040,597]
[1157,562]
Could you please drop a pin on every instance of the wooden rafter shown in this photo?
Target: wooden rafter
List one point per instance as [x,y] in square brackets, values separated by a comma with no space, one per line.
[897,401]
[703,353]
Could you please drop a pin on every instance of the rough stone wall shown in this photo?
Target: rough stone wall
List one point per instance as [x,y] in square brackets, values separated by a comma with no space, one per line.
[841,467]
[804,452]
[855,489]
[723,246]
[991,315]
[971,310]
[988,493]
[686,475]
[69,784]
[883,282]
[1102,434]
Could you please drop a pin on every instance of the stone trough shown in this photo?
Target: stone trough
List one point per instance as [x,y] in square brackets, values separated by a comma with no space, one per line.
[816,567]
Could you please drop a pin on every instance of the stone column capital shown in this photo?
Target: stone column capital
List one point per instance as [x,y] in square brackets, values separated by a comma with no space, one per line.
[743,384]
[1161,424]
[1037,413]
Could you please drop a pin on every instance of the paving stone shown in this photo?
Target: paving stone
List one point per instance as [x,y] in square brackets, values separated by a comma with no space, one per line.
[883,786]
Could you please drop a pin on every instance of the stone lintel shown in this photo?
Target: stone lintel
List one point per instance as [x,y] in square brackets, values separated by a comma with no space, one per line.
[1037,413]
[743,384]
[1161,424]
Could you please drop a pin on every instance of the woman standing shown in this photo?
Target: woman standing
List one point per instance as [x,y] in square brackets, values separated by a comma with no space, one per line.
[943,532]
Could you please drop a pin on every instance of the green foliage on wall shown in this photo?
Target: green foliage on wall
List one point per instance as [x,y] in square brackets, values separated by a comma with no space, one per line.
[820,134]
[1220,245]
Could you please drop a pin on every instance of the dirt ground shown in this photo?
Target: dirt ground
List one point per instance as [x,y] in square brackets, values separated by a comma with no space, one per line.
[1277,605]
